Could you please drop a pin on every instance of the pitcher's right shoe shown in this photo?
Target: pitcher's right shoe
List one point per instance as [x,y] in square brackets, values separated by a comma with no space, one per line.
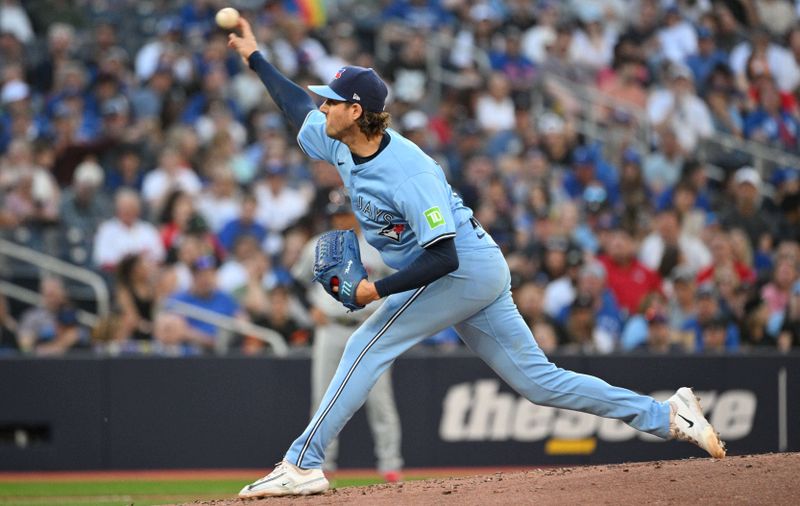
[687,423]
[287,479]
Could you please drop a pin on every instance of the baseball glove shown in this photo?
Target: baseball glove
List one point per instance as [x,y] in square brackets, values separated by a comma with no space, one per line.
[338,264]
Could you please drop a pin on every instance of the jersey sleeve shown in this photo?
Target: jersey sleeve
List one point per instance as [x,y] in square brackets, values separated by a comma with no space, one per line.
[424,201]
[314,141]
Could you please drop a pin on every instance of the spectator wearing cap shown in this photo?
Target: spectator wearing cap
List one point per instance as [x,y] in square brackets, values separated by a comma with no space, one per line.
[556,138]
[667,246]
[714,336]
[607,314]
[244,224]
[705,59]
[748,211]
[634,193]
[588,170]
[628,279]
[681,306]
[205,295]
[659,339]
[16,118]
[662,168]
[677,107]
[116,120]
[14,20]
[279,205]
[172,173]
[693,182]
[414,126]
[785,181]
[52,328]
[84,206]
[126,233]
[709,313]
[583,334]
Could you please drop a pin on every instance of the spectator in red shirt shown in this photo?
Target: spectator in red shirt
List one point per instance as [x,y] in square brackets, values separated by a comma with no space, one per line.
[628,279]
[723,258]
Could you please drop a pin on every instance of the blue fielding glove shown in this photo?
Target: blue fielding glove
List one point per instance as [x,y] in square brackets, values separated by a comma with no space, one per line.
[338,263]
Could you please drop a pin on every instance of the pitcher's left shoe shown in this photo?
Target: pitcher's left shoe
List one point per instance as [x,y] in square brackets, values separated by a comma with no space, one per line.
[687,423]
[287,479]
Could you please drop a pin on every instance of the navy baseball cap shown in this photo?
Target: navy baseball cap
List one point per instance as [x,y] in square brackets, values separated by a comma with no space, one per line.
[357,85]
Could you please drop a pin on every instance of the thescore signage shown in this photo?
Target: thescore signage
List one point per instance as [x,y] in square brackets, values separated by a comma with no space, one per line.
[238,412]
[479,411]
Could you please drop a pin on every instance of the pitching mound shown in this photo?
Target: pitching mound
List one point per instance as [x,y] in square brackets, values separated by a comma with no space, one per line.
[755,479]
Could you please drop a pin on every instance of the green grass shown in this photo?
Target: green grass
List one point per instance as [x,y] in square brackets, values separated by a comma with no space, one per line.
[140,493]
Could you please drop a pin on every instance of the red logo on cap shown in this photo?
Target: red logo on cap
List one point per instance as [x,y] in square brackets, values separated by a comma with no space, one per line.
[339,73]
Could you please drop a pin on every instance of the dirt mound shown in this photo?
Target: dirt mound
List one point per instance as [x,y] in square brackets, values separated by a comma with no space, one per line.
[753,479]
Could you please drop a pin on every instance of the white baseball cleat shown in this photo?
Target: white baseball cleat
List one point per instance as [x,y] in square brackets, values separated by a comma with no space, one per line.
[287,479]
[687,423]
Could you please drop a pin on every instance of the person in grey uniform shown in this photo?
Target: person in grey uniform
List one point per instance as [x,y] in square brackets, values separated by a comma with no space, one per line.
[334,325]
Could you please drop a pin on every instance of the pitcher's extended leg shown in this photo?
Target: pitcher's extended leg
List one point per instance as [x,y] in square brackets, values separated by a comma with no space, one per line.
[499,335]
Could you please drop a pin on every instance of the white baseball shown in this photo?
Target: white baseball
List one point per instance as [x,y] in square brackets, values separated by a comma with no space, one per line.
[227,18]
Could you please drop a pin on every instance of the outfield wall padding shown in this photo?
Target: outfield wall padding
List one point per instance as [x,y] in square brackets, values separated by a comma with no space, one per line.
[86,413]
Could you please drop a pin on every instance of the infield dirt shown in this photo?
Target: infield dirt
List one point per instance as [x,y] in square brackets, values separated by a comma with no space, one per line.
[770,479]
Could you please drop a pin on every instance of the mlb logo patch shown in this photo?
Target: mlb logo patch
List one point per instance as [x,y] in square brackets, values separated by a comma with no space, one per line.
[340,72]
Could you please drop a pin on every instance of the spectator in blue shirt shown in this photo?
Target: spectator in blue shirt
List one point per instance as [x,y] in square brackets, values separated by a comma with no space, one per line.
[245,224]
[706,324]
[587,171]
[204,294]
[771,123]
[705,59]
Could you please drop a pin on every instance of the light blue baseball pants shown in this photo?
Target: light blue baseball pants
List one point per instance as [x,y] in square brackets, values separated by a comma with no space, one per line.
[476,301]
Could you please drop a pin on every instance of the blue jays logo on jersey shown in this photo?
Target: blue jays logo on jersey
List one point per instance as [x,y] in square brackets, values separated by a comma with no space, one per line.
[393,230]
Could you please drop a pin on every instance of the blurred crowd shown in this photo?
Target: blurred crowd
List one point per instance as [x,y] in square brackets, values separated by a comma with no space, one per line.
[134,143]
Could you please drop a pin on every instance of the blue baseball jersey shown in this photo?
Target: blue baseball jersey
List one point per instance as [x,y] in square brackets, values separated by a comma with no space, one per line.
[400,197]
